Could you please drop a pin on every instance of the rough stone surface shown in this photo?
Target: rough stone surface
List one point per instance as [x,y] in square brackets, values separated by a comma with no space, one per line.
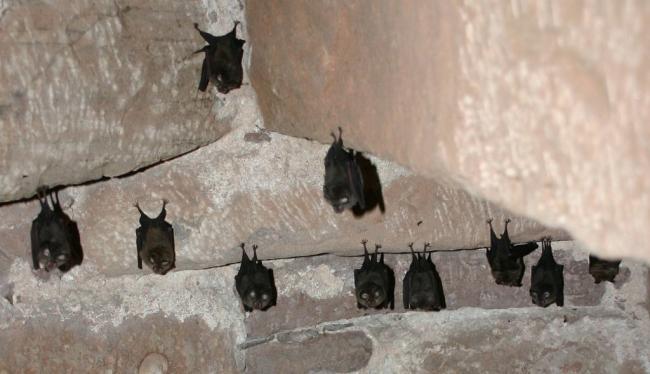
[319,289]
[235,191]
[100,88]
[539,106]
[87,323]
[193,321]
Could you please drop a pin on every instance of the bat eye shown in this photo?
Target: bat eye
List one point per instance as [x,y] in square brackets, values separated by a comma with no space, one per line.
[364,296]
[61,257]
[547,294]
[46,252]
[151,260]
[377,293]
[343,200]
[165,263]
[533,294]
[265,296]
[252,294]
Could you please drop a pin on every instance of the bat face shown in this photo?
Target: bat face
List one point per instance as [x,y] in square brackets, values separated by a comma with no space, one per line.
[255,283]
[155,242]
[422,286]
[603,270]
[343,187]
[547,279]
[374,282]
[505,259]
[222,63]
[54,237]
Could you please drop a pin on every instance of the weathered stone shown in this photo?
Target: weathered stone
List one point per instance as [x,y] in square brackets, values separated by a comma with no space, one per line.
[100,88]
[237,191]
[333,352]
[315,290]
[540,107]
[87,323]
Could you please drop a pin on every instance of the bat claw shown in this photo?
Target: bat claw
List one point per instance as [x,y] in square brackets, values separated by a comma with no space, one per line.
[507,220]
[489,221]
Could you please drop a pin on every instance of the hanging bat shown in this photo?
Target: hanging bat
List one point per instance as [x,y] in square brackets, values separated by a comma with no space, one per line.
[343,186]
[506,260]
[374,282]
[422,284]
[222,62]
[54,236]
[155,242]
[255,283]
[547,279]
[603,270]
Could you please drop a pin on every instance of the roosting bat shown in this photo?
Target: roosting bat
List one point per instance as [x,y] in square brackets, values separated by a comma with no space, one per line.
[603,270]
[547,279]
[374,282]
[54,236]
[506,260]
[255,283]
[222,62]
[422,283]
[343,186]
[155,242]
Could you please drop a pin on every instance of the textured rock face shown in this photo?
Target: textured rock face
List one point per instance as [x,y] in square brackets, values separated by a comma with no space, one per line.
[192,321]
[539,106]
[235,191]
[100,88]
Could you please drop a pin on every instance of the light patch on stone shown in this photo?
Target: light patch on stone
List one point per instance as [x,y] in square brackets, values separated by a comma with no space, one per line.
[319,282]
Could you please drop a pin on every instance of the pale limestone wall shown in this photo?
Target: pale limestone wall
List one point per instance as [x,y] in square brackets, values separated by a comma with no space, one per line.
[540,106]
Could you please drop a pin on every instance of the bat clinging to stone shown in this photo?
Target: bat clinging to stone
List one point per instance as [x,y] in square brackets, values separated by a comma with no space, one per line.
[422,284]
[343,187]
[603,270]
[547,279]
[222,62]
[506,260]
[374,282]
[255,283]
[54,236]
[155,242]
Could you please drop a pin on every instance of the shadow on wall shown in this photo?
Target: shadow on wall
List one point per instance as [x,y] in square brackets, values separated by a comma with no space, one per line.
[371,187]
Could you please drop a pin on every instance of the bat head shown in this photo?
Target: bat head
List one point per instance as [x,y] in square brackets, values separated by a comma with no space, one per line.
[340,196]
[371,295]
[603,270]
[425,299]
[543,295]
[51,256]
[258,297]
[159,259]
[510,277]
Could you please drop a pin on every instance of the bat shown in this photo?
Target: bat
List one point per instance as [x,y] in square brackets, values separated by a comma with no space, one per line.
[222,61]
[506,260]
[547,279]
[374,282]
[155,242]
[255,283]
[603,270]
[422,285]
[343,187]
[54,236]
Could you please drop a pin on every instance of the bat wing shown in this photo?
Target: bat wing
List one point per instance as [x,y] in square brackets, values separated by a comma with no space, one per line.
[441,292]
[36,244]
[139,240]
[203,84]
[522,250]
[406,290]
[356,182]
[559,284]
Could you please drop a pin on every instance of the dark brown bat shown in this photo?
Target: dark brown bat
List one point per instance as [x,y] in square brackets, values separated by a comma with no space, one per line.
[155,242]
[54,236]
[343,187]
[255,283]
[506,260]
[374,282]
[547,279]
[222,62]
[603,270]
[422,285]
